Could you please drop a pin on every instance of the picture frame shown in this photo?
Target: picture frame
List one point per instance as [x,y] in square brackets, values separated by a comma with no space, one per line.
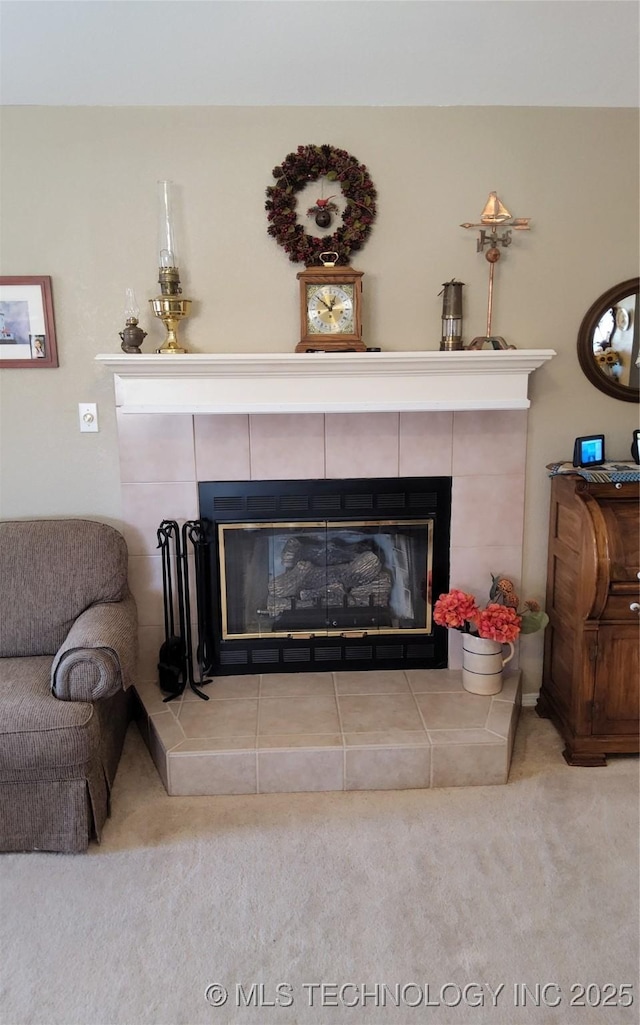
[27,326]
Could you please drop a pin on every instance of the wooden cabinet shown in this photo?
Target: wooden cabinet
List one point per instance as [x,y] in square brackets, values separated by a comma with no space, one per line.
[590,683]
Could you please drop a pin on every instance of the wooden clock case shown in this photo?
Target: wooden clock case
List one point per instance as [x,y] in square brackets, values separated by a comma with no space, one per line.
[338,341]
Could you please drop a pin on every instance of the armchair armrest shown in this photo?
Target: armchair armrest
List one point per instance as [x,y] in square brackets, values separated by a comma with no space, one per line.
[98,656]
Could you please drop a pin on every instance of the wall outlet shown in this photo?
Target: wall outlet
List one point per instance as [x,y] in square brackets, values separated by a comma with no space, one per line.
[88,414]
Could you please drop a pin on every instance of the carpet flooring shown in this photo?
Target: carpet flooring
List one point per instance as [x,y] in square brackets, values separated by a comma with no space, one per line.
[426,906]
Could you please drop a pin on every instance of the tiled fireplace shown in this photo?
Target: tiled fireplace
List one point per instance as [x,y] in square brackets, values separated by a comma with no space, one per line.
[339,730]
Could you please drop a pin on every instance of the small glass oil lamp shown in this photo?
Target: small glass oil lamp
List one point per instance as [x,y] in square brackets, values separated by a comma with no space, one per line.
[132,336]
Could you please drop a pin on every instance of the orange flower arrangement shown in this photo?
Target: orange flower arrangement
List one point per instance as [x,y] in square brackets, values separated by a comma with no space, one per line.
[499,621]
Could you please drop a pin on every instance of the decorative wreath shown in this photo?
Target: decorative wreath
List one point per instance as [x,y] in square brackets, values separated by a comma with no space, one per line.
[308,164]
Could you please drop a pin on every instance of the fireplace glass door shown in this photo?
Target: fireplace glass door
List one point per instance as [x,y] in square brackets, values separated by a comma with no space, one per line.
[317,578]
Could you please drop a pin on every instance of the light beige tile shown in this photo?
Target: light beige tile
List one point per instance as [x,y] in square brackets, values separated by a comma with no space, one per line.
[468,737]
[227,687]
[429,681]
[426,441]
[284,772]
[222,447]
[151,697]
[454,660]
[202,745]
[487,510]
[209,774]
[500,717]
[511,687]
[158,753]
[387,768]
[167,729]
[311,714]
[489,441]
[453,711]
[144,506]
[155,447]
[285,741]
[377,681]
[362,444]
[459,765]
[287,446]
[471,568]
[163,734]
[145,581]
[371,713]
[276,685]
[226,718]
[387,738]
[175,705]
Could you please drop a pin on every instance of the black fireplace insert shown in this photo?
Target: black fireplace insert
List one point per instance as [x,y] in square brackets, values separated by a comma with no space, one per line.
[320,575]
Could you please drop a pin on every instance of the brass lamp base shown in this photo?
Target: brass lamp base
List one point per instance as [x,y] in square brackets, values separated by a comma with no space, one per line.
[451,345]
[170,310]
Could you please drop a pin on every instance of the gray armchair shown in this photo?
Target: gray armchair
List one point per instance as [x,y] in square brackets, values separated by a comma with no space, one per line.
[68,645]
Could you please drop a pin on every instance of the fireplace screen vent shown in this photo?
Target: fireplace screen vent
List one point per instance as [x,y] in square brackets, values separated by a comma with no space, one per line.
[294,504]
[308,572]
[227,503]
[394,502]
[262,504]
[358,502]
[326,503]
[264,656]
[296,655]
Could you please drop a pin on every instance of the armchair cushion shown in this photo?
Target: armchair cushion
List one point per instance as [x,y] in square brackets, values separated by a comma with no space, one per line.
[51,571]
[98,656]
[37,733]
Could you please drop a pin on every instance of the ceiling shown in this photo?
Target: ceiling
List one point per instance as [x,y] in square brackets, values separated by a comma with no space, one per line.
[320,52]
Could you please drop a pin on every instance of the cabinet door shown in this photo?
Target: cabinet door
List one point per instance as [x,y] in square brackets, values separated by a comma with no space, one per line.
[615,698]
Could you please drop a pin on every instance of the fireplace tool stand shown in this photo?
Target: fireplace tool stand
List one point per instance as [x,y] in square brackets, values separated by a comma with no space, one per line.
[175,660]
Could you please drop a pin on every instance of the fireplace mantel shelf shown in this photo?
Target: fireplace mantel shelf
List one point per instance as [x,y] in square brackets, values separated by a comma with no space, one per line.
[323,382]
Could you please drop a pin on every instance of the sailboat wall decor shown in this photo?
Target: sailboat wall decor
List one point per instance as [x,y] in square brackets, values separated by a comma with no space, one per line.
[495,227]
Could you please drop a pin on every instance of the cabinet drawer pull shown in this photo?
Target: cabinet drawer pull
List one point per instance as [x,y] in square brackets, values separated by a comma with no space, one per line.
[635,607]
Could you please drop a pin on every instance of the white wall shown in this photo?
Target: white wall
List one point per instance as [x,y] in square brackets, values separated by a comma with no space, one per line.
[79,203]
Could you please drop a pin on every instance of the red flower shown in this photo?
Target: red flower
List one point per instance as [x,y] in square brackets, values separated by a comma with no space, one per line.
[499,623]
[454,609]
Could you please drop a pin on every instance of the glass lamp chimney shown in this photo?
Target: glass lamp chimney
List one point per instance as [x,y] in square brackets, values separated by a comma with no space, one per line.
[131,308]
[166,231]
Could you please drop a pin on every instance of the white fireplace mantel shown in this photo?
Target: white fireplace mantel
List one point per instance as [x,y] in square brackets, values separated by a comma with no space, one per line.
[323,382]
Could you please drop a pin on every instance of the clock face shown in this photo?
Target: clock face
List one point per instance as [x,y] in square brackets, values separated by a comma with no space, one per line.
[330,309]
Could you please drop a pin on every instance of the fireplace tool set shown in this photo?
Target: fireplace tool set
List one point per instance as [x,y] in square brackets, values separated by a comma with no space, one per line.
[176,656]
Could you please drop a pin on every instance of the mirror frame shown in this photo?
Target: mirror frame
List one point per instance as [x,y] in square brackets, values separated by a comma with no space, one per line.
[585,341]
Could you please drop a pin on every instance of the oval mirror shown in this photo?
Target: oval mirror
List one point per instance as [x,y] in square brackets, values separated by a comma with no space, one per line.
[608,342]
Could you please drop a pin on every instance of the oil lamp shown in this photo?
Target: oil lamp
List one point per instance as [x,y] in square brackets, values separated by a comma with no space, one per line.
[132,336]
[169,307]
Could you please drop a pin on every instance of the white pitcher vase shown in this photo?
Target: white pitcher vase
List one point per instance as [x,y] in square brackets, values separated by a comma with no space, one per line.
[482,664]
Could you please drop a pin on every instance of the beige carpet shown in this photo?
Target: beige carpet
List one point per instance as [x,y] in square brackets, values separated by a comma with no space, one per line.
[531,883]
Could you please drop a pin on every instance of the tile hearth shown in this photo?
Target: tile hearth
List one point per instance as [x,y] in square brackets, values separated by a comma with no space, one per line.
[285,733]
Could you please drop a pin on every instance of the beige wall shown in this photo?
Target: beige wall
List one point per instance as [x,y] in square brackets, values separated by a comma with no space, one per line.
[78,202]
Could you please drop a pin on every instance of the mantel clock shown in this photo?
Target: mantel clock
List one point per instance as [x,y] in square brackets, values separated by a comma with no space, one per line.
[330,308]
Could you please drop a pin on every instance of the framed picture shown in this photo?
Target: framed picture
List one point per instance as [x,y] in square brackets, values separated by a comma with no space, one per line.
[27,329]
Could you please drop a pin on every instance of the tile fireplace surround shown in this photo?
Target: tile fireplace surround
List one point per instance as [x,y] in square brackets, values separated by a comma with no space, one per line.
[184,419]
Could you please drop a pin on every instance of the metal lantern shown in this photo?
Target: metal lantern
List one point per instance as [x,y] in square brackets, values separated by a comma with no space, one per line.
[451,315]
